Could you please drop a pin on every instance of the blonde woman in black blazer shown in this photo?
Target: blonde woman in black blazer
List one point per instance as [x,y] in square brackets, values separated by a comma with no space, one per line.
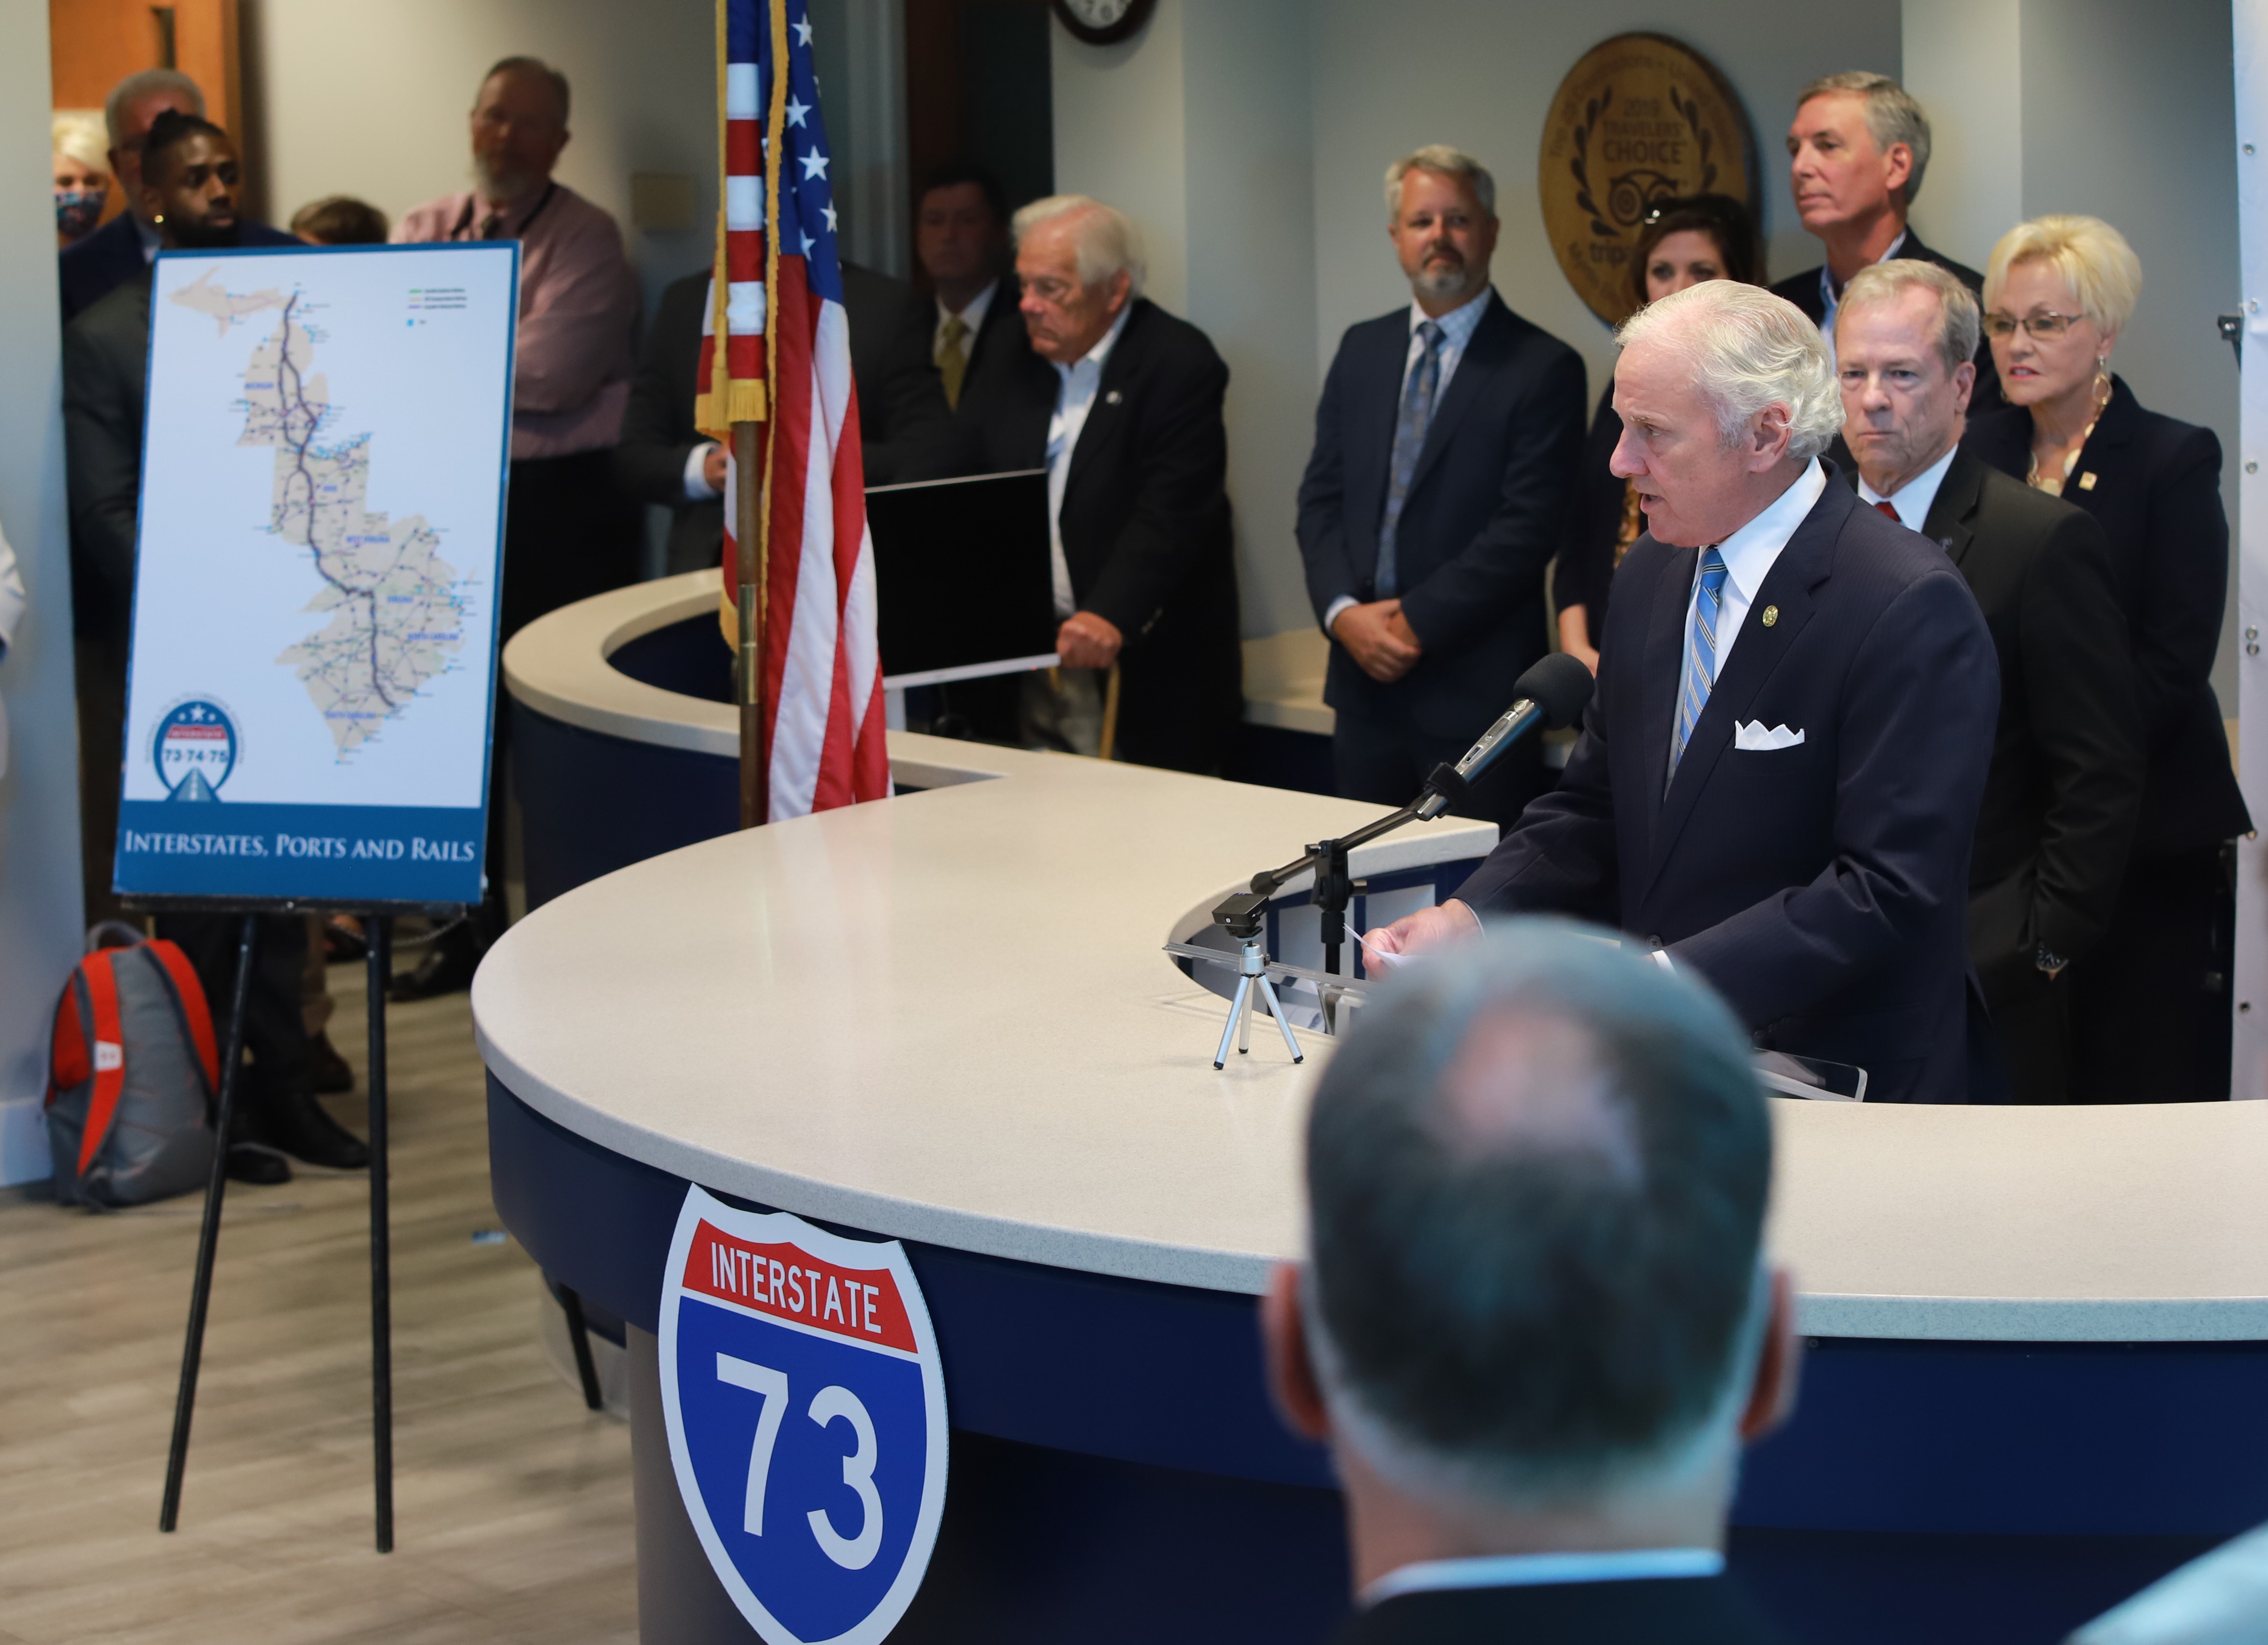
[2150,1006]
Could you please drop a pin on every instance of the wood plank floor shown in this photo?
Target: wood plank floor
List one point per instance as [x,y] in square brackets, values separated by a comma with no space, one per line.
[512,1503]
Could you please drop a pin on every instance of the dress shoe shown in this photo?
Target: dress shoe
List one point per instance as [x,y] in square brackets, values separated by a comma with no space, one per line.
[298,1124]
[256,1163]
[333,1077]
[446,968]
[343,939]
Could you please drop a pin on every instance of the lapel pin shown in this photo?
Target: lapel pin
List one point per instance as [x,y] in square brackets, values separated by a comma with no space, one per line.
[1113,397]
[1771,615]
[2087,481]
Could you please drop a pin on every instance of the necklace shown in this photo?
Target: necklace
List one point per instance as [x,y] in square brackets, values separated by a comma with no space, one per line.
[2053,484]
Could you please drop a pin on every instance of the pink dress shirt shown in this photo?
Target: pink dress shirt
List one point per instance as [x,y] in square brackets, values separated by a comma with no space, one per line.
[578,314]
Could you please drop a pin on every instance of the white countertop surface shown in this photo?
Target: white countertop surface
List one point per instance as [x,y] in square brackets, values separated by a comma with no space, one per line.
[945,1018]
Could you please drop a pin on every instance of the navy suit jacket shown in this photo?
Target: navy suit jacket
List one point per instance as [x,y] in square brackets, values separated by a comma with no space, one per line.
[110,256]
[1821,889]
[1482,519]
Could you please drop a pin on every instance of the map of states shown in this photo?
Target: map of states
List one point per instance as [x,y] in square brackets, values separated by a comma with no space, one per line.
[399,609]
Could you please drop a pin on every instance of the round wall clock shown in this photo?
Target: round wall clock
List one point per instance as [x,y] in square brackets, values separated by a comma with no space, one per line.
[1103,22]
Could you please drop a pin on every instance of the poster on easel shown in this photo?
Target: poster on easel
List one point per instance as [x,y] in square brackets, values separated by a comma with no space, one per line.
[311,681]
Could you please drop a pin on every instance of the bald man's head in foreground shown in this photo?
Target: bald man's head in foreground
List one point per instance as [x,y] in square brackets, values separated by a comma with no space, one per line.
[1536,1314]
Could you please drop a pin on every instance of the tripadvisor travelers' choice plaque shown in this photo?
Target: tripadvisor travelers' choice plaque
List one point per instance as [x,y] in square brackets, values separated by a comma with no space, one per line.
[805,1410]
[312,667]
[1639,118]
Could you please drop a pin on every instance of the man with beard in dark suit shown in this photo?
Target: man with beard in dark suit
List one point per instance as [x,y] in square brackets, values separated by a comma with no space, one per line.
[1121,403]
[1856,150]
[1447,442]
[2065,784]
[1537,1322]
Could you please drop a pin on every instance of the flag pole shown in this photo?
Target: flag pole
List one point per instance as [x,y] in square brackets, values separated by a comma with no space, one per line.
[752,449]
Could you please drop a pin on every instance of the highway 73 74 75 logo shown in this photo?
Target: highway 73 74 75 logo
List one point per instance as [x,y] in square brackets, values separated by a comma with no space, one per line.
[805,1410]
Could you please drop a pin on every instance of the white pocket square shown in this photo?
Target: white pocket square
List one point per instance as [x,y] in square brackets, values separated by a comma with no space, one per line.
[1754,737]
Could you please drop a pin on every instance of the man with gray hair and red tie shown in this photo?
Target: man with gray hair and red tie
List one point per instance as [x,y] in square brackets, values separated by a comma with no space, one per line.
[1779,779]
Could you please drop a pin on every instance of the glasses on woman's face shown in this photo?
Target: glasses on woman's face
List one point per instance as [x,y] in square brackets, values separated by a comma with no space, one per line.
[2042,326]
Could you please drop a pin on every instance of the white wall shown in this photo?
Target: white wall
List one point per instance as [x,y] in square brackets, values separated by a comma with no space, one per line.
[2248,1049]
[39,795]
[371,100]
[1964,62]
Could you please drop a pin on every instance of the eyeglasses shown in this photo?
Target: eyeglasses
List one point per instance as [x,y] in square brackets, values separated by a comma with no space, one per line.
[2040,325]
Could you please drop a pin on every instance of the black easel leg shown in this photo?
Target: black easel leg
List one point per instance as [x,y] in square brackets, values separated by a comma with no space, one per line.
[381,1278]
[580,1334]
[185,1400]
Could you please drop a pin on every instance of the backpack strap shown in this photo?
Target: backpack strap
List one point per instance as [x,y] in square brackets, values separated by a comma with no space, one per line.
[70,1064]
[189,1000]
[109,1055]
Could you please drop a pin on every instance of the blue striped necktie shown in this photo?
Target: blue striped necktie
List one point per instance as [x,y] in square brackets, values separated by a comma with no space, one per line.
[1700,654]
[1410,428]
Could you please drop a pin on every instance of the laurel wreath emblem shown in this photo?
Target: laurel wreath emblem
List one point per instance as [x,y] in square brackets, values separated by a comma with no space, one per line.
[1689,110]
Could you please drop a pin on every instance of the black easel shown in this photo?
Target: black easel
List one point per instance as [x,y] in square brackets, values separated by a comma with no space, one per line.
[378,928]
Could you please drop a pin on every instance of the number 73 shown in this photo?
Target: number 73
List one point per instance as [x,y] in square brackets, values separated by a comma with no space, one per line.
[852,1553]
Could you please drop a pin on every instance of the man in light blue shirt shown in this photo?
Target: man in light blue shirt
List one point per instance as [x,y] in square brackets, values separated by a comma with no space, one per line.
[1538,1323]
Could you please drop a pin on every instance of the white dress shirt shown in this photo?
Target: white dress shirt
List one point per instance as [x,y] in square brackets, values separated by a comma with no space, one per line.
[1914,497]
[972,317]
[1832,300]
[1457,327]
[1749,554]
[1075,389]
[1534,1571]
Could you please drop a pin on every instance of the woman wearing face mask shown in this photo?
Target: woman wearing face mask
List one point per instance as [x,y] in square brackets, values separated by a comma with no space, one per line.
[2150,1006]
[1682,243]
[81,177]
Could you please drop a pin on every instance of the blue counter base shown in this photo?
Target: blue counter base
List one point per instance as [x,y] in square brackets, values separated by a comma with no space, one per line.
[1114,1455]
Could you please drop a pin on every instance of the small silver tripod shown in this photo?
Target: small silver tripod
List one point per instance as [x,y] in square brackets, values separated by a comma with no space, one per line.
[1251,971]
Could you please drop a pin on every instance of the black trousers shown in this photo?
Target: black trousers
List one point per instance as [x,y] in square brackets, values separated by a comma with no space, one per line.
[99,666]
[2031,1030]
[1386,765]
[274,1030]
[2150,1004]
[568,533]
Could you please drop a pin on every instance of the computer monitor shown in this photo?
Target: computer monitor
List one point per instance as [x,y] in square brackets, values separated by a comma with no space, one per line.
[964,579]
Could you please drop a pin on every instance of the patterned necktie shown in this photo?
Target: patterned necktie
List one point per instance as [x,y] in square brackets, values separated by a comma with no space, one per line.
[953,357]
[1886,506]
[1700,654]
[1408,440]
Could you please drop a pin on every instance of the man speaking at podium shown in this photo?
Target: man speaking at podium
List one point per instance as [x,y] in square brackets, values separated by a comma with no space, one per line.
[1778,778]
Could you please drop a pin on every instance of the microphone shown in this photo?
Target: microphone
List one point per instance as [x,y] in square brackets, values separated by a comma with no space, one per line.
[1554,694]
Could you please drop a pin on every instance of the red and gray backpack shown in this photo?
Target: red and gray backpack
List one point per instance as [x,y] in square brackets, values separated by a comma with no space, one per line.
[132,1077]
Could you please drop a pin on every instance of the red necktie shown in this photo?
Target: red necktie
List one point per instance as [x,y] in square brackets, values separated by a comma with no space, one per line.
[1887,507]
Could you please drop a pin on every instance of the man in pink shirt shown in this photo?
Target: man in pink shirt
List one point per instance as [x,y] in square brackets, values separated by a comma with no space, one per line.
[569,532]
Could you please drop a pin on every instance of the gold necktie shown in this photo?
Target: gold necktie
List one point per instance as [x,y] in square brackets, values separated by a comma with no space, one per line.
[952,358]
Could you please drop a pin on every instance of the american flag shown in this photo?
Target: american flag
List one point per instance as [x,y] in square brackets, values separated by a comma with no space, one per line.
[822,674]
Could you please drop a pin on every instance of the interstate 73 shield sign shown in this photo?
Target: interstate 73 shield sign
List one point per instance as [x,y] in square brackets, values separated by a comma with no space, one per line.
[806,1408]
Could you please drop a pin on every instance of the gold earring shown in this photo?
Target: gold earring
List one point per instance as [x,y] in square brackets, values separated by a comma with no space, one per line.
[2101,373]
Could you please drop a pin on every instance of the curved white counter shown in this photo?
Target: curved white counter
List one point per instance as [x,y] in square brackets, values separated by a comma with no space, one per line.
[945,1018]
